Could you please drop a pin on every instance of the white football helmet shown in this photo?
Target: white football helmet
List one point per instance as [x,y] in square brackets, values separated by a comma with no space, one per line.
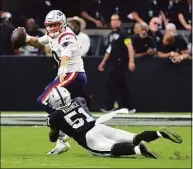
[59,97]
[55,23]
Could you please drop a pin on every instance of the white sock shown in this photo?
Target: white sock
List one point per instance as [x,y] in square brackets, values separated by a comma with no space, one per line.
[58,141]
[66,138]
[137,150]
[159,134]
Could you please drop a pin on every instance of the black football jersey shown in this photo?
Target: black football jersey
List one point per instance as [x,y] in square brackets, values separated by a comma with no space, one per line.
[74,120]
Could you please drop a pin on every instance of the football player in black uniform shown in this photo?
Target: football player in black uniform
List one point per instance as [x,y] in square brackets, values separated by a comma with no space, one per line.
[73,118]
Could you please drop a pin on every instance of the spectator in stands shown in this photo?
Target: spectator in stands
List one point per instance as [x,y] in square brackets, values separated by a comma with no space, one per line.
[6,30]
[166,7]
[173,11]
[140,45]
[181,14]
[7,17]
[171,28]
[135,29]
[118,55]
[97,12]
[32,30]
[173,46]
[154,32]
[92,11]
[143,11]
[185,14]
[77,24]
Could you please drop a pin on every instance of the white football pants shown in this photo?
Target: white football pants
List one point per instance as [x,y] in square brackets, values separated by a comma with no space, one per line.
[101,138]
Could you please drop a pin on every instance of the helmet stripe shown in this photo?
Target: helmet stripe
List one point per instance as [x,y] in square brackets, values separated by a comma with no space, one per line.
[61,98]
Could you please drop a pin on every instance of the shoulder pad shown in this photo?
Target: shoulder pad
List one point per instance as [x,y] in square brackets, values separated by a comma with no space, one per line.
[66,36]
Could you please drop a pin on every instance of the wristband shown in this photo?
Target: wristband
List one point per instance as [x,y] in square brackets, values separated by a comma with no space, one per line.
[27,39]
[62,70]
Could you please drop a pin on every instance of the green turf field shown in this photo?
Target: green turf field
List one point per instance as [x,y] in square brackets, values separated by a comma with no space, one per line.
[25,147]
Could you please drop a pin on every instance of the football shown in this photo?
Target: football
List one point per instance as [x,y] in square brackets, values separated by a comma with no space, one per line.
[18,38]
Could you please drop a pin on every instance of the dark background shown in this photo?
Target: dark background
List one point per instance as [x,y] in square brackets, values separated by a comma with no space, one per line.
[156,85]
[22,9]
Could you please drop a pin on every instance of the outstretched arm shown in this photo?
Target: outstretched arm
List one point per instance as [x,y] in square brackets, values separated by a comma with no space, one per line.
[37,42]
[33,41]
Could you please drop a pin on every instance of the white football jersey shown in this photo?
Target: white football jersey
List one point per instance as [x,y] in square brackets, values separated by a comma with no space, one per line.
[65,45]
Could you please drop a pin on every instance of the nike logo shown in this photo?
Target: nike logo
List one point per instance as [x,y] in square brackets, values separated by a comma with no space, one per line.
[68,38]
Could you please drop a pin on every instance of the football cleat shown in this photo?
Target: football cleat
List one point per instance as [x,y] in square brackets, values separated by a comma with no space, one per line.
[171,135]
[146,152]
[60,147]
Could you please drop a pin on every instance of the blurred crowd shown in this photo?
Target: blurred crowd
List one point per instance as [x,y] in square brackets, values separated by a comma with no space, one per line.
[95,14]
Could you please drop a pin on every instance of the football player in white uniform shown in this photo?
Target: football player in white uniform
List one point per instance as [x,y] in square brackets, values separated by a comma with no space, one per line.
[67,52]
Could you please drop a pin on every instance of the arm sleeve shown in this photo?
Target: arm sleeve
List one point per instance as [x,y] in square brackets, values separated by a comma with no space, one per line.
[44,40]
